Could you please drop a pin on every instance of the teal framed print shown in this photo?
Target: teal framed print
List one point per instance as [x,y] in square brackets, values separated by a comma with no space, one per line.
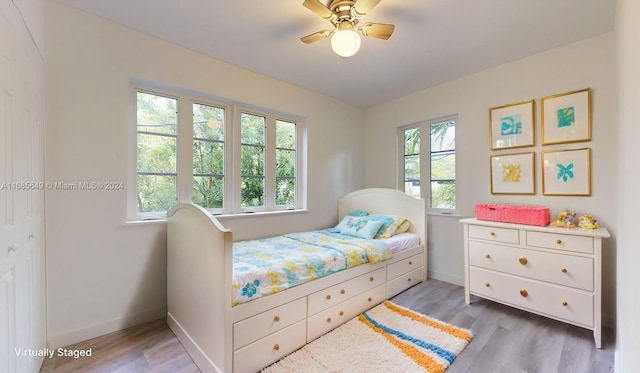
[566,117]
[512,126]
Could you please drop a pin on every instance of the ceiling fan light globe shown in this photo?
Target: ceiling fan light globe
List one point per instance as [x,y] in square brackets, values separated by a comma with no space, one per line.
[345,43]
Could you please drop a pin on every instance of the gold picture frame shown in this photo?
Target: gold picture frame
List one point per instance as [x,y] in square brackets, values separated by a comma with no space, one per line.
[566,117]
[566,172]
[513,173]
[512,126]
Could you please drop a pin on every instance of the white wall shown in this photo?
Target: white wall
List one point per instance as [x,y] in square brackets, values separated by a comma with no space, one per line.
[628,324]
[589,63]
[103,275]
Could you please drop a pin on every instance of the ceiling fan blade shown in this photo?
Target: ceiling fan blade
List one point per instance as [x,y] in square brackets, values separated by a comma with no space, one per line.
[362,7]
[318,8]
[315,36]
[378,30]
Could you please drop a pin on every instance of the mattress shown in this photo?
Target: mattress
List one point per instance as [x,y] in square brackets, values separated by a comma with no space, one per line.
[402,241]
[268,266]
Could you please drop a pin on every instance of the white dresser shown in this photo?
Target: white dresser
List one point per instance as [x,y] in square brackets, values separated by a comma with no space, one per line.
[551,271]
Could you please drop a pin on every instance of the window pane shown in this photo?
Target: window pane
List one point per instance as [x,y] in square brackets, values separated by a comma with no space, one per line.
[157,114]
[208,158]
[443,166]
[285,191]
[252,129]
[412,167]
[285,163]
[156,193]
[443,194]
[208,122]
[208,191]
[412,188]
[412,141]
[252,192]
[252,161]
[285,135]
[443,136]
[156,153]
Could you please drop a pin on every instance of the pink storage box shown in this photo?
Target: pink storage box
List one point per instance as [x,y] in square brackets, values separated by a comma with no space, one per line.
[518,214]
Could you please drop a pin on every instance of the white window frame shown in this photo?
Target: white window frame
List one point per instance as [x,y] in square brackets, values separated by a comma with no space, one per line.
[184,162]
[425,159]
[270,161]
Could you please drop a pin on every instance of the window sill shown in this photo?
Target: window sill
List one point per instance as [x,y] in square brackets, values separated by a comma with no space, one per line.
[240,215]
[445,215]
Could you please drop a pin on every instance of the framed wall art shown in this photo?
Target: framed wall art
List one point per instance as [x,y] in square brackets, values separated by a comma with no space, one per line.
[513,173]
[566,172]
[511,126]
[566,117]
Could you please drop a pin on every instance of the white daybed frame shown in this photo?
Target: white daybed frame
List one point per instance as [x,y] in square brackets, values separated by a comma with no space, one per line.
[199,272]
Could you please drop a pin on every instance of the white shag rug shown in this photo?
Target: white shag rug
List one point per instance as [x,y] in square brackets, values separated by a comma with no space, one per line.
[387,338]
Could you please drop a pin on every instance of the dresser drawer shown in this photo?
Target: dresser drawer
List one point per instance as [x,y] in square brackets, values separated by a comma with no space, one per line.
[332,317]
[556,241]
[561,269]
[505,235]
[272,348]
[404,282]
[256,327]
[328,297]
[405,265]
[569,305]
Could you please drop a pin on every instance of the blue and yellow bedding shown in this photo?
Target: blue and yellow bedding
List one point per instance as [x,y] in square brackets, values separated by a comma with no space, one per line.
[270,265]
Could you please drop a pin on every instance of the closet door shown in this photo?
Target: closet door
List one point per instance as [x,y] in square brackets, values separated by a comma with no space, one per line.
[22,286]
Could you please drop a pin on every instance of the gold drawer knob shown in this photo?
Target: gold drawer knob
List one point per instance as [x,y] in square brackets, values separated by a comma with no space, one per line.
[342,291]
[328,296]
[410,263]
[564,270]
[559,242]
[371,278]
[276,347]
[341,313]
[488,256]
[524,293]
[370,299]
[409,279]
[565,303]
[277,318]
[523,260]
[328,319]
[492,233]
[487,284]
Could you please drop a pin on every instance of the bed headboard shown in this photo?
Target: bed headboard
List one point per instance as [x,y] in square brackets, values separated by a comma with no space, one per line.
[387,201]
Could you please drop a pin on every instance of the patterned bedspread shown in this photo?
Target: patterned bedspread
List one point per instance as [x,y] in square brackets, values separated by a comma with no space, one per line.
[267,266]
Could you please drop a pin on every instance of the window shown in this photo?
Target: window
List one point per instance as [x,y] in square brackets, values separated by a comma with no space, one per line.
[439,162]
[208,155]
[157,122]
[253,155]
[187,149]
[285,163]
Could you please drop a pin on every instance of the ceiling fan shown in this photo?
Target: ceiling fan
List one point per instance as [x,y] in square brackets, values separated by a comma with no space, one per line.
[345,15]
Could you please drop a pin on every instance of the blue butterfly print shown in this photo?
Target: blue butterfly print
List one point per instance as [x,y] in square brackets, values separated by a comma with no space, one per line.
[564,172]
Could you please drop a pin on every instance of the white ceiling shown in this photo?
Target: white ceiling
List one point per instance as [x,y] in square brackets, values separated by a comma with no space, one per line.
[434,41]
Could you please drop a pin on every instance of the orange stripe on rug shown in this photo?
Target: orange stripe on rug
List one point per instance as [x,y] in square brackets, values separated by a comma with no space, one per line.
[452,330]
[408,349]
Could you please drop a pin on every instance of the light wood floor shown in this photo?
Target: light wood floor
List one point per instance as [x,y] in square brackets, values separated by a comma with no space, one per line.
[504,340]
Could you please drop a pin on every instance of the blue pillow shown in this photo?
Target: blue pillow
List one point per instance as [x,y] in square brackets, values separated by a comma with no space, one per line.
[338,228]
[360,227]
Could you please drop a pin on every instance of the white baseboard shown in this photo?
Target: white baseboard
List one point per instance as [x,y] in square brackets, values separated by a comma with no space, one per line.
[446,277]
[199,357]
[80,335]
